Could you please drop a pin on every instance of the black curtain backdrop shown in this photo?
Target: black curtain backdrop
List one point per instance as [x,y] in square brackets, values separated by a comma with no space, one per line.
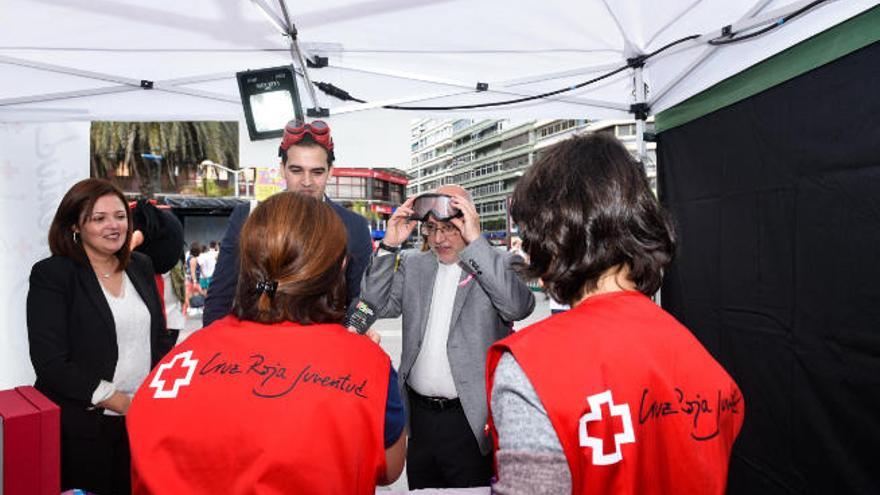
[776,201]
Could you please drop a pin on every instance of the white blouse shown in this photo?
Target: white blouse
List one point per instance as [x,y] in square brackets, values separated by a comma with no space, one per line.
[132,319]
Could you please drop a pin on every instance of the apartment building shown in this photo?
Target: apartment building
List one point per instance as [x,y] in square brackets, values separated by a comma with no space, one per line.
[371,192]
[487,157]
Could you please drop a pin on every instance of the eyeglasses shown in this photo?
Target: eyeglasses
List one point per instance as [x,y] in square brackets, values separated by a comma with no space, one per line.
[296,130]
[438,205]
[429,229]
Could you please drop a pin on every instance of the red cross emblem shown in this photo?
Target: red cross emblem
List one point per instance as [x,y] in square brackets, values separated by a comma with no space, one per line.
[617,413]
[179,376]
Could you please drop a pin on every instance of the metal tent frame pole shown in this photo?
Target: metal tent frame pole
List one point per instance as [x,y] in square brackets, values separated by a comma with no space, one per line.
[641,114]
[125,84]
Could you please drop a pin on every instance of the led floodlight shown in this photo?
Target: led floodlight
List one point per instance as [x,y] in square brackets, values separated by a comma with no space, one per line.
[270,99]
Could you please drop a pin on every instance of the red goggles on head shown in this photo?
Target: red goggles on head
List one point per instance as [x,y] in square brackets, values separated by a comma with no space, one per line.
[296,130]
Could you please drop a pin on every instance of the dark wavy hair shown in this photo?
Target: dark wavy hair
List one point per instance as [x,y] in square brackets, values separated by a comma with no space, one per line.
[75,209]
[585,207]
[300,243]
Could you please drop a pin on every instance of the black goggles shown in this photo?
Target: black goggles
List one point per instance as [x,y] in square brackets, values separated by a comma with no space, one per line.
[438,205]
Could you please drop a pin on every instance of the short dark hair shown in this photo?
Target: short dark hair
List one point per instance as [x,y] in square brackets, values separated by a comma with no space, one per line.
[307,141]
[300,243]
[74,210]
[585,207]
[195,248]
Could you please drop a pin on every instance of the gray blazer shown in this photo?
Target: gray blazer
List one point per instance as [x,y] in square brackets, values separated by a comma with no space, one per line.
[483,312]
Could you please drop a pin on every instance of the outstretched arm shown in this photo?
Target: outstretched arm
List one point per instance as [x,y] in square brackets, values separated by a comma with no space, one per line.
[382,284]
[221,294]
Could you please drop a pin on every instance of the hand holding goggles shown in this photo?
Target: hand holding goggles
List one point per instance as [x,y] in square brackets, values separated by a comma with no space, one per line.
[296,130]
[438,205]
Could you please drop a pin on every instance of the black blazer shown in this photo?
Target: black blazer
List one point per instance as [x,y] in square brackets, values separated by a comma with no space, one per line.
[72,334]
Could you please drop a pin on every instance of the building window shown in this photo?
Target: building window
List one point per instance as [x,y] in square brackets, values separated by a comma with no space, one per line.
[486,189]
[459,178]
[487,169]
[515,141]
[515,162]
[347,188]
[461,124]
[556,127]
[488,150]
[396,193]
[381,190]
[491,207]
[626,130]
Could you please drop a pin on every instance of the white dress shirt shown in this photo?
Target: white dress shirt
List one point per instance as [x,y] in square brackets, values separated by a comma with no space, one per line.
[431,375]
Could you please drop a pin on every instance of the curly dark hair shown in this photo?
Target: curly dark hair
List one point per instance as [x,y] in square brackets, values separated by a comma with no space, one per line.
[300,243]
[585,207]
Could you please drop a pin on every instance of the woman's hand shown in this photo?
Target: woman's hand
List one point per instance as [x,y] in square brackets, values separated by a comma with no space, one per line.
[370,334]
[399,225]
[118,403]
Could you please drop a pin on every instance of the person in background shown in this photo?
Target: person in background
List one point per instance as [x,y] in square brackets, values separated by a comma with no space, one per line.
[94,324]
[306,153]
[614,395]
[207,262]
[159,235]
[456,299]
[195,295]
[278,397]
[516,248]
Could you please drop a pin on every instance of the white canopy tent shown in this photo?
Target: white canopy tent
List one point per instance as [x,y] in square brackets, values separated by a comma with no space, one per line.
[76,61]
[87,59]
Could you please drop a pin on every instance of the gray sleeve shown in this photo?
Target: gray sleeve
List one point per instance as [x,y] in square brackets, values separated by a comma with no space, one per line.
[494,271]
[520,418]
[382,283]
[530,458]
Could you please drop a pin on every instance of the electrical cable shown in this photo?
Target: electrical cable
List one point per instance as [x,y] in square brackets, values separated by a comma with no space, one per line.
[634,62]
[731,38]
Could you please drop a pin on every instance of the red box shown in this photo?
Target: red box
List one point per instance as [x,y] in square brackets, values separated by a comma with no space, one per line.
[30,434]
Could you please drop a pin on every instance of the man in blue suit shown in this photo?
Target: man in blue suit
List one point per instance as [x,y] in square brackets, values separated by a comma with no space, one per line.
[306,153]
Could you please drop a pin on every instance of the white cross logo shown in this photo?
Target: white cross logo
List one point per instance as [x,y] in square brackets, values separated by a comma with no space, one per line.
[186,363]
[597,443]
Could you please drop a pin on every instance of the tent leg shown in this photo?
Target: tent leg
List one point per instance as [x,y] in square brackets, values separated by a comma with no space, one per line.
[640,109]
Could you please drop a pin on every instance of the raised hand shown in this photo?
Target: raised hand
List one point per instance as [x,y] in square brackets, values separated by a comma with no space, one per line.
[469,223]
[399,225]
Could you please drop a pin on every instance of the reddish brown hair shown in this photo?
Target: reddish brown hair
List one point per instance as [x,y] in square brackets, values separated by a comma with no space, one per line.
[75,210]
[300,243]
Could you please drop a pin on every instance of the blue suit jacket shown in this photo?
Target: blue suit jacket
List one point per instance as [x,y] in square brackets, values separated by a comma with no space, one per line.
[222,291]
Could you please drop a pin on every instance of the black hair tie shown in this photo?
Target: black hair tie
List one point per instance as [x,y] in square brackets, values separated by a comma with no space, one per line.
[267,286]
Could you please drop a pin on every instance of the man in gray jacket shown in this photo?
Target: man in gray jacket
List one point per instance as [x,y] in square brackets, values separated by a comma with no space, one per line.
[456,300]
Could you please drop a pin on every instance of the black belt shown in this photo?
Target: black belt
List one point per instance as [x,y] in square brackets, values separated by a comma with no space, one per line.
[433,403]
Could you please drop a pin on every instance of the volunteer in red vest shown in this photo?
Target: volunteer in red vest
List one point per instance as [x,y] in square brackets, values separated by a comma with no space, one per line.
[615,395]
[278,397]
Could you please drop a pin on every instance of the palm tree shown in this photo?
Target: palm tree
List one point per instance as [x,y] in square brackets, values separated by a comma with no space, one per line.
[117,148]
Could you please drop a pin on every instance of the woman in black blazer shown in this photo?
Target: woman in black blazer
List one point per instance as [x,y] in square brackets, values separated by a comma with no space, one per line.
[94,321]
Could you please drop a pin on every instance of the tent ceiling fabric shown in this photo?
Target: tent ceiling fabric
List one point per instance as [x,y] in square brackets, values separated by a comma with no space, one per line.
[425,53]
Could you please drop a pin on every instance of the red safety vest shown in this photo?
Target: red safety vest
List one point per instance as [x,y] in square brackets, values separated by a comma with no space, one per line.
[637,403]
[242,407]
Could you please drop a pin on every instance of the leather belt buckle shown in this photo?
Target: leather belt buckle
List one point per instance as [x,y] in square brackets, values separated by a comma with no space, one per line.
[435,403]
